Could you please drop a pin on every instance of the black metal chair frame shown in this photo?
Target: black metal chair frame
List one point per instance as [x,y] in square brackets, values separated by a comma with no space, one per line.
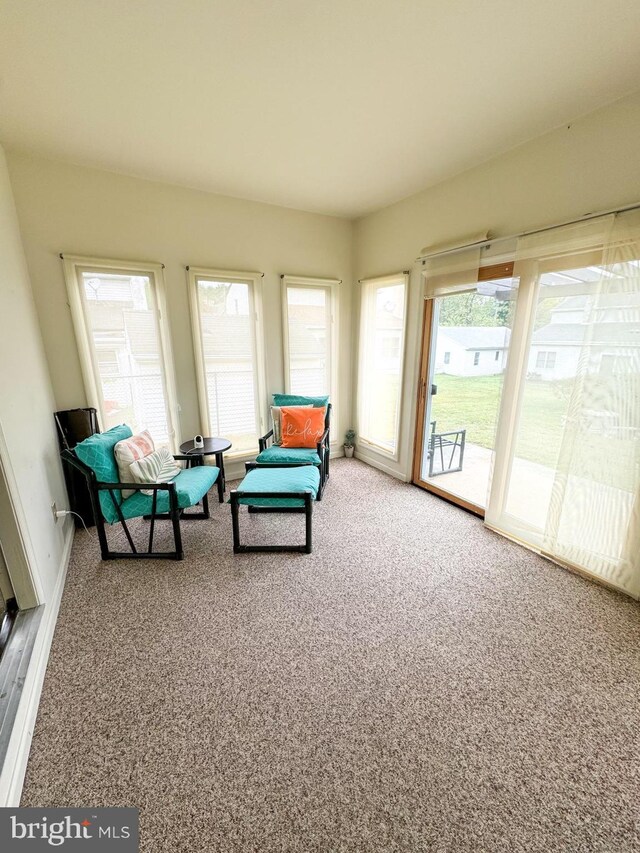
[76,484]
[175,514]
[323,449]
[307,509]
[441,440]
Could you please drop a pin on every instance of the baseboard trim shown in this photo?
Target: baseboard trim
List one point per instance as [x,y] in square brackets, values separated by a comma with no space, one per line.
[15,764]
[375,463]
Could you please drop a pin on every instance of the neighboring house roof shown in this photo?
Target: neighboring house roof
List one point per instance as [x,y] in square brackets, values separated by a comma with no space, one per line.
[314,315]
[107,316]
[305,341]
[477,337]
[307,331]
[624,334]
[604,300]
[142,333]
[226,336]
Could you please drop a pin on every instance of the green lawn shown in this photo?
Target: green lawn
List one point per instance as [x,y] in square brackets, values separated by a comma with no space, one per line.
[472,402]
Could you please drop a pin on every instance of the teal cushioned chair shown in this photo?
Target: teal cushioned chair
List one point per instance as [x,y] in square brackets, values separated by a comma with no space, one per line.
[95,458]
[278,457]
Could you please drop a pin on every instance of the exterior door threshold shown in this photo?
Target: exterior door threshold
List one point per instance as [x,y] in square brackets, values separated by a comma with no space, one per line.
[13,670]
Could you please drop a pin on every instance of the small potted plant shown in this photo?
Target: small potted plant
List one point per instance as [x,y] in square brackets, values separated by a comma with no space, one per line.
[348,443]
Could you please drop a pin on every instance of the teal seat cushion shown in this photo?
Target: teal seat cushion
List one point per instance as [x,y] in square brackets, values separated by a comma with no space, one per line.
[303,479]
[97,452]
[275,453]
[298,400]
[191,485]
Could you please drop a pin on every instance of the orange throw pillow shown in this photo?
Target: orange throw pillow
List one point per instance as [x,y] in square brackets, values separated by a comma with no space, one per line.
[301,427]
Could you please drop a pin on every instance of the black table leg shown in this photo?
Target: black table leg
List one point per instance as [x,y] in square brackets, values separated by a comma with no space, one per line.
[221,480]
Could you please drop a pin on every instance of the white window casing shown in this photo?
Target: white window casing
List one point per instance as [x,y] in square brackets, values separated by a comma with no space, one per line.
[383,312]
[310,334]
[228,339]
[120,321]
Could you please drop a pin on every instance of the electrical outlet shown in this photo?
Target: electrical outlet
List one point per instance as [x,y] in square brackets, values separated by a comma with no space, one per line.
[54,510]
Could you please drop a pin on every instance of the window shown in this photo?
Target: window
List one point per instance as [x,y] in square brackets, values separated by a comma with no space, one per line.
[310,336]
[497,356]
[123,342]
[382,329]
[447,357]
[545,360]
[227,329]
[476,358]
[390,345]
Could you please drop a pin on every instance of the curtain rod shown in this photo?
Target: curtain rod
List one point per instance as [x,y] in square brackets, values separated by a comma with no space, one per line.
[488,242]
[388,275]
[61,256]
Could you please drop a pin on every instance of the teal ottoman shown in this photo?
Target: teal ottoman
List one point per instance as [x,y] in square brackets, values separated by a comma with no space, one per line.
[292,488]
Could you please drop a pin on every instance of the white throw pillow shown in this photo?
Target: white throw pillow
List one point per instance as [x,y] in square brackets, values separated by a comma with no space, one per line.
[130,450]
[157,467]
[276,417]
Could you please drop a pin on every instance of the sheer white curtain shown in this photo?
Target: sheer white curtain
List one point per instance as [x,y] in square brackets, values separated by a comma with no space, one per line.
[567,470]
[452,272]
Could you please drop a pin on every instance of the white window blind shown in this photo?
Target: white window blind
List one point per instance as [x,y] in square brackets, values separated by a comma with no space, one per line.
[228,345]
[310,337]
[123,344]
[382,330]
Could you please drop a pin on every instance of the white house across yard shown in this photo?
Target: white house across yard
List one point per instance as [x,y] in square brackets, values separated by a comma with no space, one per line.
[472,350]
[607,332]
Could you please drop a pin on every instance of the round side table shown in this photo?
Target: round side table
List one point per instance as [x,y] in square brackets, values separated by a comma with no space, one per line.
[212,447]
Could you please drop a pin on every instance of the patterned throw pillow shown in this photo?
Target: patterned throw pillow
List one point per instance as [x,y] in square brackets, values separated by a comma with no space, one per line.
[157,467]
[128,451]
[302,427]
[276,416]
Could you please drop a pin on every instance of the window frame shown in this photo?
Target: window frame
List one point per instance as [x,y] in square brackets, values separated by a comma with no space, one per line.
[330,285]
[366,285]
[74,266]
[254,281]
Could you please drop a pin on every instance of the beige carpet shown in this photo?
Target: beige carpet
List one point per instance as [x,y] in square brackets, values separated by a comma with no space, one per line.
[416,684]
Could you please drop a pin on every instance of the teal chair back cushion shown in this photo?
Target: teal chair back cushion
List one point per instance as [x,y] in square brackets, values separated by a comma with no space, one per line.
[298,400]
[97,453]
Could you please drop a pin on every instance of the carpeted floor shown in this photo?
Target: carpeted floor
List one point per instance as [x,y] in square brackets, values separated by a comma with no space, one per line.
[416,684]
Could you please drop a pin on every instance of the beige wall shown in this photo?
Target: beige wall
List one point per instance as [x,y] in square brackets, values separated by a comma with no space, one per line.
[593,165]
[28,444]
[82,211]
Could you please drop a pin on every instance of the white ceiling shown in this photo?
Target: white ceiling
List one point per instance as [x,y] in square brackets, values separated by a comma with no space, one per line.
[337,106]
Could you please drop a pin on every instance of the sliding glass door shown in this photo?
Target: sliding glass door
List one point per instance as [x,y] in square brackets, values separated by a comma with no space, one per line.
[567,474]
[529,408]
[465,354]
